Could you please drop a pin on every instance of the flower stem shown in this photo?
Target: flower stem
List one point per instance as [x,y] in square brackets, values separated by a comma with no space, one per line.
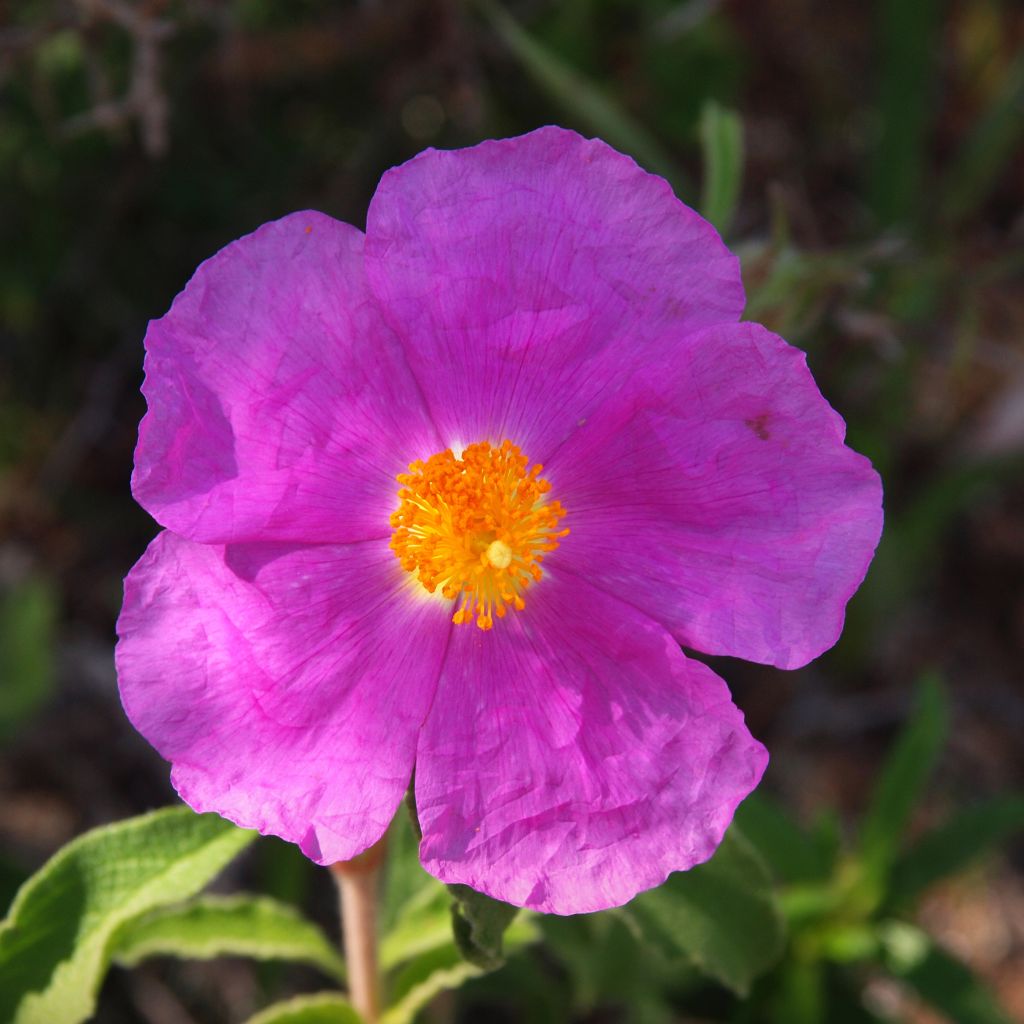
[357,881]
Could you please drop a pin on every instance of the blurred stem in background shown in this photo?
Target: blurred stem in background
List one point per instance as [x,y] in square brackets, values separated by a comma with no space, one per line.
[908,45]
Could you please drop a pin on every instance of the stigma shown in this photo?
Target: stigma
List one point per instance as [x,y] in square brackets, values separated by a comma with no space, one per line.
[476,528]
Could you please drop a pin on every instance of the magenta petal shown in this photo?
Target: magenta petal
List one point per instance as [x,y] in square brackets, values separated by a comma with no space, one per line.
[286,685]
[716,495]
[280,405]
[574,757]
[523,272]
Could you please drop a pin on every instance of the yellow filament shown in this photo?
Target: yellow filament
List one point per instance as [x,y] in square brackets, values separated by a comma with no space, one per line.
[476,528]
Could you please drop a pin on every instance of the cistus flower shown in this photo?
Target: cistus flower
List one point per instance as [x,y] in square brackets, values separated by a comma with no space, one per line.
[451,494]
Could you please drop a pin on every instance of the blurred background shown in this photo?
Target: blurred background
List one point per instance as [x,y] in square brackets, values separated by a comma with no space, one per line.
[867,161]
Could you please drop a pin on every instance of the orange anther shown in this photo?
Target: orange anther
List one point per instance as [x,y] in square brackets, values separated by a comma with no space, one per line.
[477,527]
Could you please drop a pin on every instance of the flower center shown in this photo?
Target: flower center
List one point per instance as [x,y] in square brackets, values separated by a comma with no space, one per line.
[476,528]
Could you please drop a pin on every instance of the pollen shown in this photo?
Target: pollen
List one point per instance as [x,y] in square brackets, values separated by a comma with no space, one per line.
[476,528]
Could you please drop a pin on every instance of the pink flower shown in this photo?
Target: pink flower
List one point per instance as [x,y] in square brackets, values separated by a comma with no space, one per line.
[280,643]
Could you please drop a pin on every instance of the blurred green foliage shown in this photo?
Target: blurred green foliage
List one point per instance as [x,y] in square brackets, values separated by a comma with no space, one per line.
[27,614]
[787,924]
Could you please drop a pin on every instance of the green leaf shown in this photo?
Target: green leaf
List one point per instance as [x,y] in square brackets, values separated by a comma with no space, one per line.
[405,882]
[581,98]
[952,846]
[242,925]
[404,1012]
[849,942]
[803,903]
[788,850]
[422,916]
[721,140]
[903,778]
[478,925]
[322,1008]
[938,978]
[424,979]
[416,913]
[608,963]
[442,968]
[908,49]
[827,838]
[424,924]
[54,946]
[799,996]
[722,915]
[26,651]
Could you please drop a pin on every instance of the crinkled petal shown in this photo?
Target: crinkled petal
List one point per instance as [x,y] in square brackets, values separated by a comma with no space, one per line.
[280,405]
[574,756]
[285,684]
[525,272]
[716,495]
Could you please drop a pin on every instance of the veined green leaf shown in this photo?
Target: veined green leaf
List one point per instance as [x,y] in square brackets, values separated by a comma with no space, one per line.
[721,140]
[722,915]
[903,778]
[54,945]
[443,967]
[404,1012]
[425,978]
[950,847]
[242,925]
[322,1008]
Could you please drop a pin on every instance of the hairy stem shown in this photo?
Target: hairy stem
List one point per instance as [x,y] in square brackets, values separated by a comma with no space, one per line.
[357,882]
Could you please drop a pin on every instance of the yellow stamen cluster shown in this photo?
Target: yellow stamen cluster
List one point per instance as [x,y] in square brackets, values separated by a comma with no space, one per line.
[476,528]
